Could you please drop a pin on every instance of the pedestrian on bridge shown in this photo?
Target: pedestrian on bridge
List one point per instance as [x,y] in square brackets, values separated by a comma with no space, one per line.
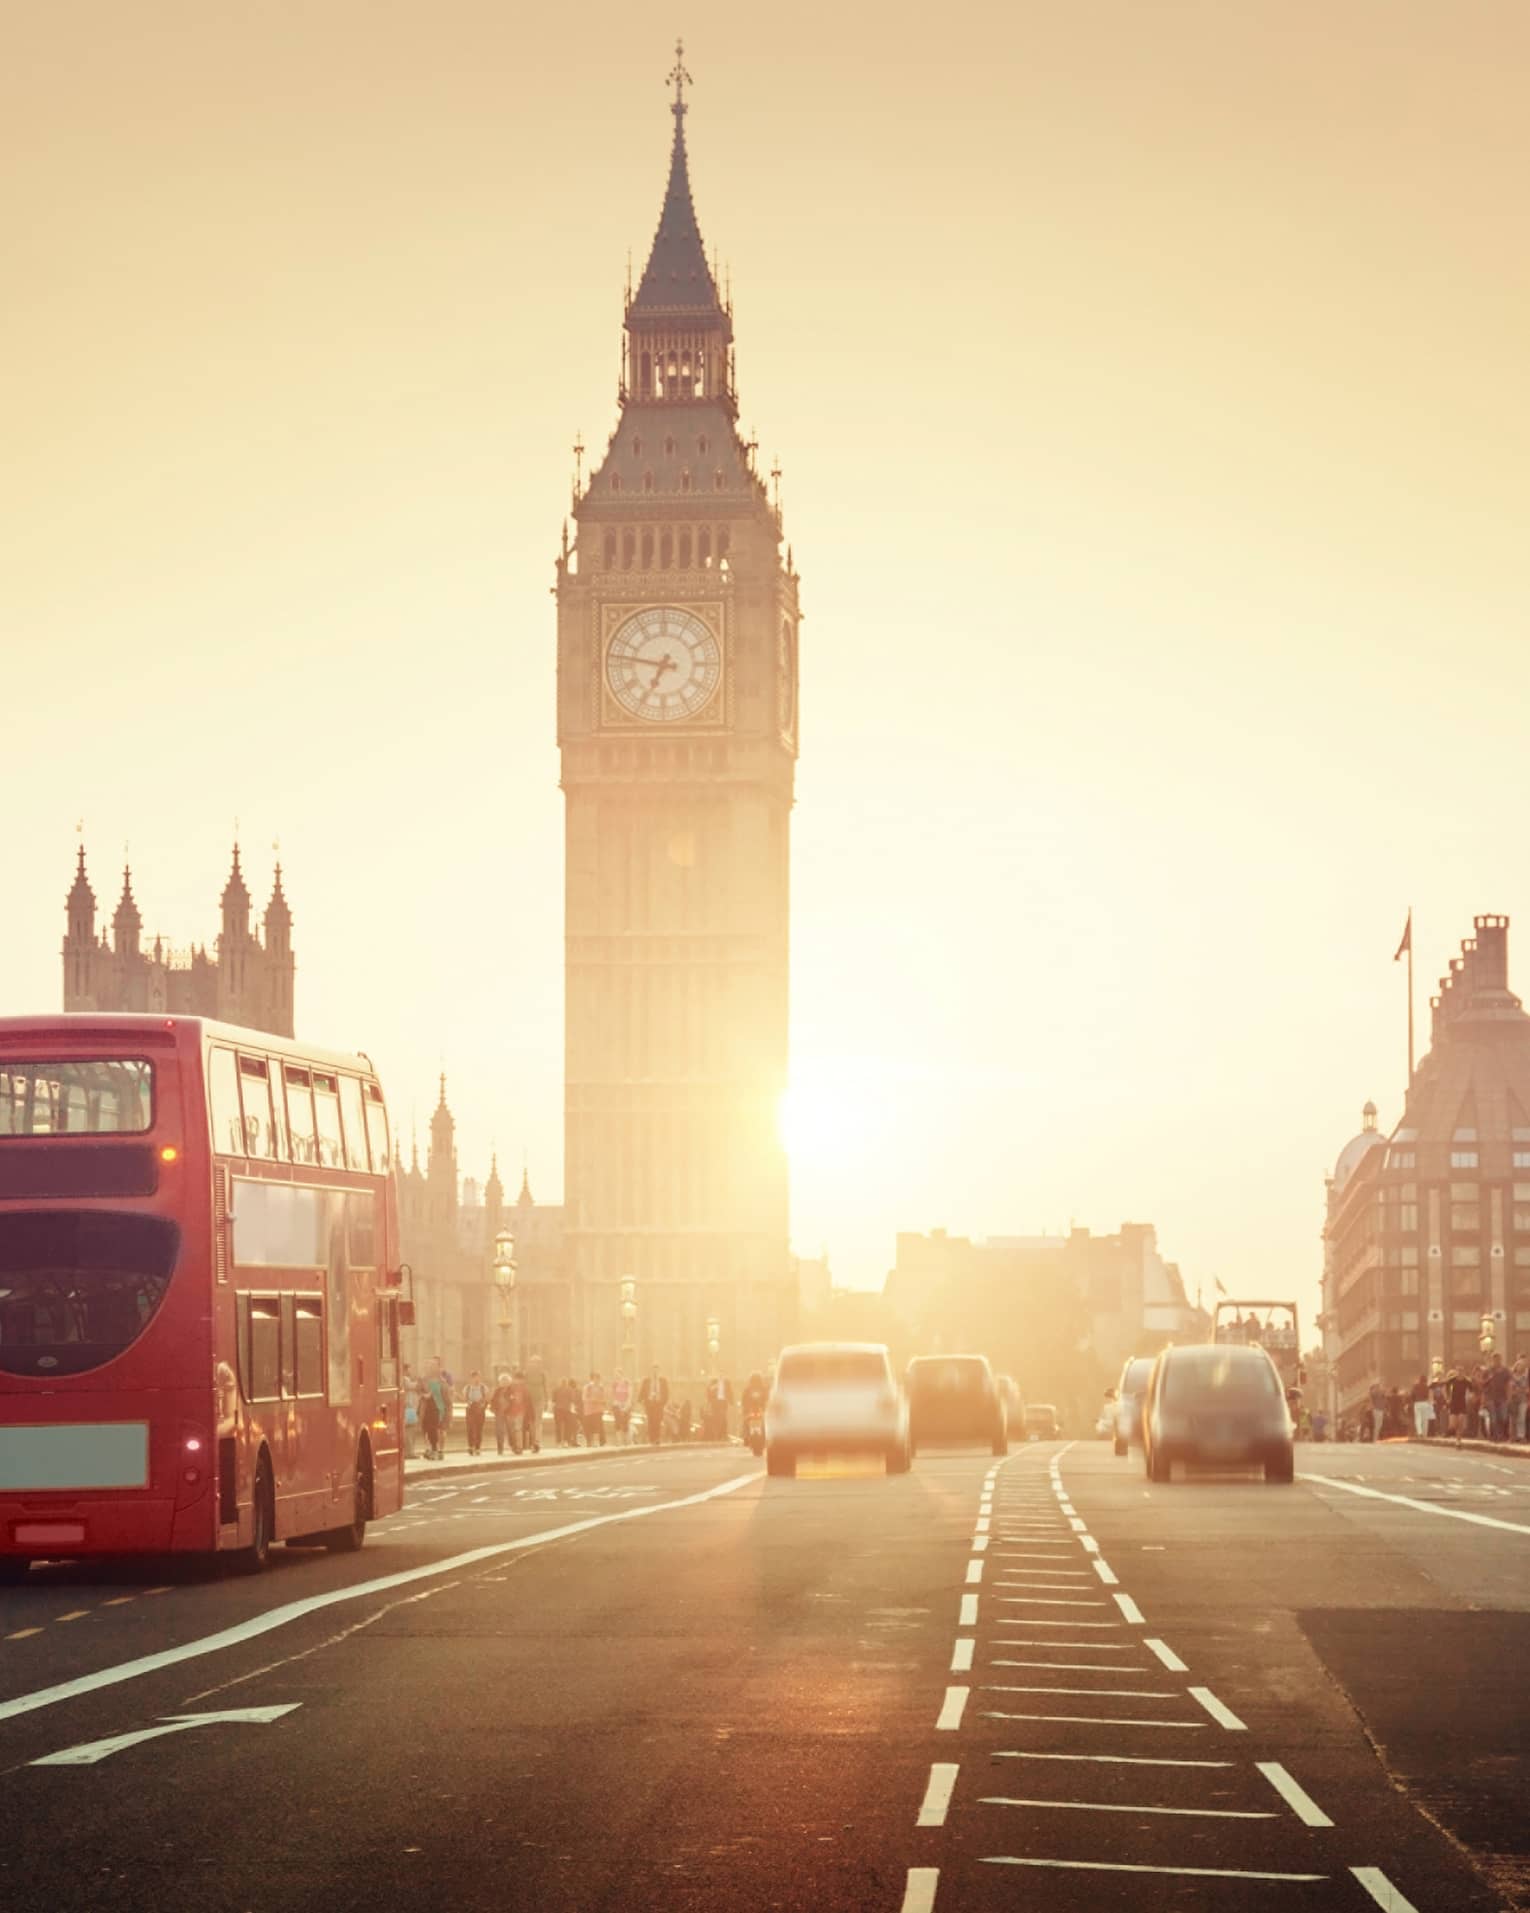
[594,1410]
[537,1391]
[1423,1407]
[653,1398]
[476,1398]
[621,1407]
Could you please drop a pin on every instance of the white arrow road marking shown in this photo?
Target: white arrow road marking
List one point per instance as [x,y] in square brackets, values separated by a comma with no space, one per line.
[90,1751]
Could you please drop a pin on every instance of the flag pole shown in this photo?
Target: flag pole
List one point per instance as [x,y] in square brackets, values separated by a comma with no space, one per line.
[1410,997]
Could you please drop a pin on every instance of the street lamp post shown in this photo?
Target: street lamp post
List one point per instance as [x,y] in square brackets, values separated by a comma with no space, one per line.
[504,1281]
[629,1329]
[1488,1336]
[715,1425]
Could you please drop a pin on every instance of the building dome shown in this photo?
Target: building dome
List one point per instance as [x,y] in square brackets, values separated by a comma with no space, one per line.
[1358,1148]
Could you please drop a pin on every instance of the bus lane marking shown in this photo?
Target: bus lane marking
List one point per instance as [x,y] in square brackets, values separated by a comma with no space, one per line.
[961,1655]
[952,1708]
[937,1795]
[1223,1716]
[1382,1890]
[1295,1796]
[1129,1609]
[1167,1655]
[292,1611]
[919,1890]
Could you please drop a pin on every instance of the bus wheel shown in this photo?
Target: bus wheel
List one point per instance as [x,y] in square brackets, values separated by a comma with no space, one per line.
[253,1559]
[348,1539]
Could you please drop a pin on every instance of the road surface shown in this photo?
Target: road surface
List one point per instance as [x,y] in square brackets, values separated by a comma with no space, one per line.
[666,1681]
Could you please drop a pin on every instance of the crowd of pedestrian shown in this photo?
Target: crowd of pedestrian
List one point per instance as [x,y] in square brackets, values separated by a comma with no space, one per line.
[1488,1401]
[519,1401]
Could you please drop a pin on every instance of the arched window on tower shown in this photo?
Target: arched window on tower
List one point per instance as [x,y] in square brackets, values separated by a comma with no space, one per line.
[616,481]
[666,549]
[637,448]
[704,548]
[685,481]
[648,481]
[669,448]
[718,481]
[609,555]
[685,550]
[629,549]
[646,380]
[722,545]
[648,551]
[701,445]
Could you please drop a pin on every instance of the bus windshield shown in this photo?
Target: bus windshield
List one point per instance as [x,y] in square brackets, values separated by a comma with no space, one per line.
[97,1097]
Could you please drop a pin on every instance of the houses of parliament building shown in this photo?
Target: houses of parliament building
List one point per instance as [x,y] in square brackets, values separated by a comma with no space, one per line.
[248,981]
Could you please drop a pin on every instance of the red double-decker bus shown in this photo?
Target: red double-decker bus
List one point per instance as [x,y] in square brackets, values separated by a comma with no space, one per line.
[199,1292]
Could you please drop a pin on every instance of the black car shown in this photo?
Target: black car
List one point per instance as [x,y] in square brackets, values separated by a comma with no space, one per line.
[1216,1407]
[955,1398]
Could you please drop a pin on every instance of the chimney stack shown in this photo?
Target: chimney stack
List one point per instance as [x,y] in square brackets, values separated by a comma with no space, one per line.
[1491,944]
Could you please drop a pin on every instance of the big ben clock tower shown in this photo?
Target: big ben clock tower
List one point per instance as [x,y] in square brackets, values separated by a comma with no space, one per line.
[677,724]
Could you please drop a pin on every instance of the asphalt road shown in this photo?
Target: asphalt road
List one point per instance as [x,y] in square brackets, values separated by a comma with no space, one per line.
[668,1682]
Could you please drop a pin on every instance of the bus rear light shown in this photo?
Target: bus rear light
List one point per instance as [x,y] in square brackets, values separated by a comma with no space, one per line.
[169,1153]
[193,1444]
[193,1475]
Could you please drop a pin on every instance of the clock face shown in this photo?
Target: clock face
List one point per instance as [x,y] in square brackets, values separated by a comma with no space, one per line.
[664,664]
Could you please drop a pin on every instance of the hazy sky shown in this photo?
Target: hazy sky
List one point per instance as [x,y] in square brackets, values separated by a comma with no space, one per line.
[1150,383]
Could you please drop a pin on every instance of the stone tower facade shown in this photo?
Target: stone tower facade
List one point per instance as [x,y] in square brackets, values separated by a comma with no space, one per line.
[249,981]
[677,723]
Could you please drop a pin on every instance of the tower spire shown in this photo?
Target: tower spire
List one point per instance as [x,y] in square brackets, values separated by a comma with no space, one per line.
[677,277]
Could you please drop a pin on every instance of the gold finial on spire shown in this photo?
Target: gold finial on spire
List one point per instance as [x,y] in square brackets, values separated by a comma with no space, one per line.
[679,79]
[578,465]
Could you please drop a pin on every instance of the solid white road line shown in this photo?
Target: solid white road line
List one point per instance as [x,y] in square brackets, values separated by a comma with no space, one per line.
[1124,1866]
[937,1795]
[1382,1890]
[1106,1573]
[1102,1806]
[1296,1798]
[1422,1507]
[1129,1609]
[968,1617]
[1224,1716]
[974,1573]
[1115,1693]
[290,1611]
[961,1656]
[952,1709]
[1095,1647]
[1098,1720]
[919,1891]
[1109,1760]
[1051,1572]
[1071,1667]
[1031,1620]
[1045,1600]
[1167,1655]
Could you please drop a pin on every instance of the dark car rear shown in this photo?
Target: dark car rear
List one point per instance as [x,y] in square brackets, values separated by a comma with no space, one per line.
[1216,1407]
[955,1398]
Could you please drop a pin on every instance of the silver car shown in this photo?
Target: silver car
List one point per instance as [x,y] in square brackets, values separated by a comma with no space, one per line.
[835,1398]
